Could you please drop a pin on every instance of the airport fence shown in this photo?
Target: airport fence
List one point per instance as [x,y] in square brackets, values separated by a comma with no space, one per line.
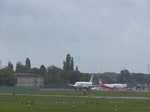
[32,89]
[56,86]
[18,89]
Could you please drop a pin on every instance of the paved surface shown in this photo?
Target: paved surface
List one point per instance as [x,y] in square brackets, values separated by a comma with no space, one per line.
[122,97]
[99,97]
[62,89]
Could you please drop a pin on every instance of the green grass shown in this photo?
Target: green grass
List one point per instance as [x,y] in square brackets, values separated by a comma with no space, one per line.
[16,103]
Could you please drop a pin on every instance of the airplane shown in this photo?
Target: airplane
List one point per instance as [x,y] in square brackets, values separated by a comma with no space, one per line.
[112,86]
[83,85]
[96,88]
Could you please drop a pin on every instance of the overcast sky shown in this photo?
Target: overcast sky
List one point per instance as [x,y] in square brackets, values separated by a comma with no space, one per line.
[101,35]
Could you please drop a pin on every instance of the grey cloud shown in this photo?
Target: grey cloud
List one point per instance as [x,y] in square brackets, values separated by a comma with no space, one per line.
[112,33]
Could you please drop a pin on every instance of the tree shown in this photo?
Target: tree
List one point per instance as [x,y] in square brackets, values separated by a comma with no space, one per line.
[53,75]
[147,79]
[85,76]
[0,64]
[73,76]
[0,78]
[68,65]
[68,62]
[106,79]
[77,68]
[64,66]
[71,64]
[19,67]
[42,70]
[8,77]
[36,70]
[138,78]
[28,63]
[64,76]
[10,65]
[27,66]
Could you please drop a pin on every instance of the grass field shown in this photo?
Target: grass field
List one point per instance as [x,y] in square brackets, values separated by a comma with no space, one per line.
[32,103]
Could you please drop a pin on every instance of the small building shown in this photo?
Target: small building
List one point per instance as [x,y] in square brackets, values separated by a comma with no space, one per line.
[29,80]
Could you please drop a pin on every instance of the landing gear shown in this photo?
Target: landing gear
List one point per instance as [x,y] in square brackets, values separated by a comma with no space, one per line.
[75,88]
[87,89]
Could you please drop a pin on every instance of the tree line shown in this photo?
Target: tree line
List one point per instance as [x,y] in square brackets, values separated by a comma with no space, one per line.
[51,74]
[124,77]
[67,74]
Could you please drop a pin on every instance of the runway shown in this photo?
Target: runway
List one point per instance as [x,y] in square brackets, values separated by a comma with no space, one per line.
[122,97]
[97,97]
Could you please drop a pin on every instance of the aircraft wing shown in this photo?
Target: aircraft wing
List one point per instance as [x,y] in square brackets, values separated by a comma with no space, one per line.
[70,84]
[91,86]
[94,85]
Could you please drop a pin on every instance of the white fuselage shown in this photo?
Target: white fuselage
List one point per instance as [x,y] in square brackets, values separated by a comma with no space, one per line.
[114,86]
[83,84]
[80,85]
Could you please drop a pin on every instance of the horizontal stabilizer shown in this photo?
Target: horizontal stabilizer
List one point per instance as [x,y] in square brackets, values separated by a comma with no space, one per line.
[70,84]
